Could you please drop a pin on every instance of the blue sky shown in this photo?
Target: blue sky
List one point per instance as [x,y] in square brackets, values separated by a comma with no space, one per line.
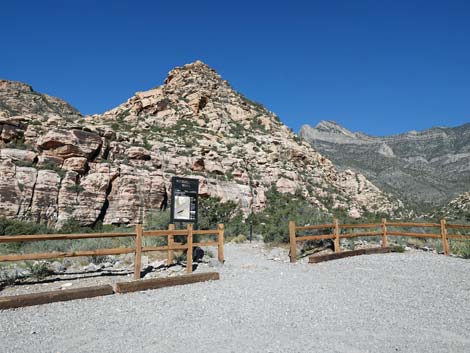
[381,67]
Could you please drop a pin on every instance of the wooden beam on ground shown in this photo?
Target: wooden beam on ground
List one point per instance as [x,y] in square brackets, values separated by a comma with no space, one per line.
[18,301]
[340,255]
[145,284]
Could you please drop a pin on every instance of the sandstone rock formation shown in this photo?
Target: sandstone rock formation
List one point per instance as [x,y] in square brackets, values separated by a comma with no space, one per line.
[117,167]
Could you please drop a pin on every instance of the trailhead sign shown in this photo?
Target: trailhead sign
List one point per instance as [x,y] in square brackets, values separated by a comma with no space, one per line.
[184,192]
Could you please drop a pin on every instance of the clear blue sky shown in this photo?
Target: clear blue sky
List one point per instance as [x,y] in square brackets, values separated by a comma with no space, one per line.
[380,67]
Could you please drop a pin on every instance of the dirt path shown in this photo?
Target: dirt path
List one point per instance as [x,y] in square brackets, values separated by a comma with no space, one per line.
[410,302]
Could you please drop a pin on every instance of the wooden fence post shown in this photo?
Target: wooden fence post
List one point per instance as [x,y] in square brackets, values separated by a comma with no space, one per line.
[189,253]
[337,247]
[220,243]
[445,242]
[138,250]
[171,238]
[384,233]
[293,251]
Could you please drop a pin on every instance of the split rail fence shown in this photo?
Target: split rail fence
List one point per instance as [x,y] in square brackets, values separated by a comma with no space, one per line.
[138,248]
[382,231]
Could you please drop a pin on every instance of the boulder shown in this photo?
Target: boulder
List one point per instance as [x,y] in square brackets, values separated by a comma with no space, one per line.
[76,164]
[138,153]
[70,143]
[285,185]
[18,155]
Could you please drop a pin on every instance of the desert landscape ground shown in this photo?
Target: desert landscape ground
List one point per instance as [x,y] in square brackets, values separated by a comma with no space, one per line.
[401,302]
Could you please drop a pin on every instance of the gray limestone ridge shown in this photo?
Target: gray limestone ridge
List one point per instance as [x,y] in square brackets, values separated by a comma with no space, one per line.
[431,166]
[116,167]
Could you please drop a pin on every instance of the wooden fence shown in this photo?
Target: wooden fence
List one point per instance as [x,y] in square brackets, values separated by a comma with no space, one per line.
[138,248]
[381,230]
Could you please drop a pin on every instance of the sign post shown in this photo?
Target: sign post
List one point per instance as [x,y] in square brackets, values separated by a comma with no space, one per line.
[184,200]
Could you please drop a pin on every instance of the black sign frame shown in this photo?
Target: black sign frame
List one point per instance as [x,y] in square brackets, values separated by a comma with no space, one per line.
[185,188]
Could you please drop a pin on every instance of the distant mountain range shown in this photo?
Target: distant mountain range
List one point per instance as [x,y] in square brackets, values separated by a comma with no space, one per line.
[427,167]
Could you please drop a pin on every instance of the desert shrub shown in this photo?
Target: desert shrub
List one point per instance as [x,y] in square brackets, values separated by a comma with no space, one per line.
[213,211]
[399,248]
[156,219]
[38,269]
[461,248]
[15,227]
[239,239]
[273,221]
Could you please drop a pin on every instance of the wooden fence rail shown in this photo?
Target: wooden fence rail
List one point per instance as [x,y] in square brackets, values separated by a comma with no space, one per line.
[138,248]
[333,231]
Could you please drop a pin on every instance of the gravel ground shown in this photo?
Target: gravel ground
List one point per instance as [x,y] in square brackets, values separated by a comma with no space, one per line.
[409,302]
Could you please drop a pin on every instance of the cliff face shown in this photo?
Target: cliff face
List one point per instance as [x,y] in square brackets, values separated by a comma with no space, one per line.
[430,166]
[115,167]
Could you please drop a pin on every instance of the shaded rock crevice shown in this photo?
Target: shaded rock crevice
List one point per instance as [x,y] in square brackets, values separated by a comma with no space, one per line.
[105,205]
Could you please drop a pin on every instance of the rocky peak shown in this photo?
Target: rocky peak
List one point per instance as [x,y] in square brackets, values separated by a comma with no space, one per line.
[14,86]
[116,167]
[192,71]
[332,127]
[18,99]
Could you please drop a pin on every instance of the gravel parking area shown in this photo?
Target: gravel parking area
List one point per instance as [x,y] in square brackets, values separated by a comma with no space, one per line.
[409,302]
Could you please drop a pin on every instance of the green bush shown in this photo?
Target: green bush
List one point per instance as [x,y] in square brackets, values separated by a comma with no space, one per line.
[213,211]
[273,221]
[38,269]
[461,248]
[15,227]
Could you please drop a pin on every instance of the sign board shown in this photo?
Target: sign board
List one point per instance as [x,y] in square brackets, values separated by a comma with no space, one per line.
[184,193]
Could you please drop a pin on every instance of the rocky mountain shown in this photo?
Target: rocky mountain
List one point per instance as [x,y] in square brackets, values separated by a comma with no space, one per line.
[431,166]
[116,167]
[458,208]
[18,99]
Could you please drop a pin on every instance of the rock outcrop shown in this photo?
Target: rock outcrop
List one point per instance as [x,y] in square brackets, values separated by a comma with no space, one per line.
[116,167]
[456,209]
[432,166]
